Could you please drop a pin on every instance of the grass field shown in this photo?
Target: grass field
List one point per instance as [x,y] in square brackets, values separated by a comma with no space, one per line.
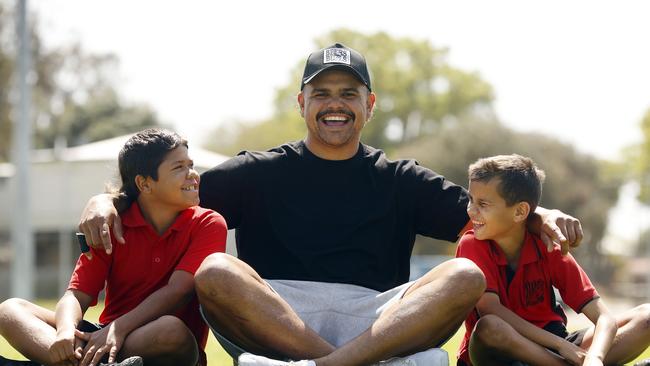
[216,355]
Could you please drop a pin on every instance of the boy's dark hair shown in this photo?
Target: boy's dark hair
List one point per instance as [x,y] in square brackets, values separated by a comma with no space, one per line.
[519,178]
[142,155]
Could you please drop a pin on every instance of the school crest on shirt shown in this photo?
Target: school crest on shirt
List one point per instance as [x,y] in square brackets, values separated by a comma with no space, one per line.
[533,292]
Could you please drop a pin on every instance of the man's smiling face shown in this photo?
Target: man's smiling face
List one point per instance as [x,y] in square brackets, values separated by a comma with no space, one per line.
[335,106]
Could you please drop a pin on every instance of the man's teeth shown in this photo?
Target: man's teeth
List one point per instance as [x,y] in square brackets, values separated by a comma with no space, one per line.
[190,188]
[335,119]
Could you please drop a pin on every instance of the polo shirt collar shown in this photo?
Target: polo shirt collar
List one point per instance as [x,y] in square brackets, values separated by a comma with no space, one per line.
[530,252]
[133,218]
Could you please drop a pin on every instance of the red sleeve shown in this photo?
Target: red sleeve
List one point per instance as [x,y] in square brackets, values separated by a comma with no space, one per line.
[571,280]
[478,251]
[89,276]
[208,236]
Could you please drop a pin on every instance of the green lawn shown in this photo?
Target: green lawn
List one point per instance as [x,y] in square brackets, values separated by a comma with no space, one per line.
[216,355]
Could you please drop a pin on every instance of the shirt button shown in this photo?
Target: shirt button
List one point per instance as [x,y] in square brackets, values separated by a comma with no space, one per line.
[157,260]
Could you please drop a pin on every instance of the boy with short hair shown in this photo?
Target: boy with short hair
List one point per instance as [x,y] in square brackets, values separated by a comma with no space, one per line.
[517,318]
[151,309]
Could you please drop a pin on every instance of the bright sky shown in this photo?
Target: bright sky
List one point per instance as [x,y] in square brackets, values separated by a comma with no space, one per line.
[578,70]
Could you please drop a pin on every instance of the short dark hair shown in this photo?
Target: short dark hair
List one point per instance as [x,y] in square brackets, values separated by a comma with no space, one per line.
[142,154]
[520,180]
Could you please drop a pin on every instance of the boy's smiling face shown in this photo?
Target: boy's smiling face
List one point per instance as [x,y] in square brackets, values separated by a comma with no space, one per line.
[178,182]
[491,217]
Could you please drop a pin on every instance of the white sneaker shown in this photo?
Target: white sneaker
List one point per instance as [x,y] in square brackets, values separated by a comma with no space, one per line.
[430,357]
[249,359]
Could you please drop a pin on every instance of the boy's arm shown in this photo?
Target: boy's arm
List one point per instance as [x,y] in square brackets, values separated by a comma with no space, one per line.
[489,304]
[165,300]
[69,312]
[604,332]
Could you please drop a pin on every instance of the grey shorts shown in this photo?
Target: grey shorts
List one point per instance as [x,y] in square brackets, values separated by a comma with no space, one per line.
[337,312]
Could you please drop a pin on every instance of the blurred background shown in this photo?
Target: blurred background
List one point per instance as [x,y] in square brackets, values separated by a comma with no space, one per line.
[566,83]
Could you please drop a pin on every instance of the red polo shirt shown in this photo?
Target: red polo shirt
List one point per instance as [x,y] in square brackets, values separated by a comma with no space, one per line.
[146,261]
[530,294]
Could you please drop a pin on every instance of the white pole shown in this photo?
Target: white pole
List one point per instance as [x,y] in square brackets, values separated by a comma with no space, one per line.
[22,283]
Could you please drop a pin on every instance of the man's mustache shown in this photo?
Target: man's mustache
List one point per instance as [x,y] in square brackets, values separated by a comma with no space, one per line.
[320,114]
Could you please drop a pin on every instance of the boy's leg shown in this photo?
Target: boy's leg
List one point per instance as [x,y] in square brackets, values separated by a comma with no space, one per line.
[495,342]
[29,328]
[632,337]
[237,302]
[164,341]
[430,312]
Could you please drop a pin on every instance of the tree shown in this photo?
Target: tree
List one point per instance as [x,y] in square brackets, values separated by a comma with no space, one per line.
[73,95]
[6,69]
[643,160]
[442,116]
[416,87]
[576,183]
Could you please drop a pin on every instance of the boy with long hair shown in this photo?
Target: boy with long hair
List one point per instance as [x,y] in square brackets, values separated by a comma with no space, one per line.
[151,310]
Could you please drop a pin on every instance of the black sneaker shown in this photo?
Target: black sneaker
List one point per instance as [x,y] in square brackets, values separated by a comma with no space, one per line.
[645,362]
[8,362]
[131,361]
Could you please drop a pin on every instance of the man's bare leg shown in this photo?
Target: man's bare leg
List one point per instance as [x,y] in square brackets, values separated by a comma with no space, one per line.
[494,342]
[242,307]
[430,311]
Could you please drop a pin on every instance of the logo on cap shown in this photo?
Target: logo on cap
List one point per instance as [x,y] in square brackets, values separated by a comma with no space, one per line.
[336,56]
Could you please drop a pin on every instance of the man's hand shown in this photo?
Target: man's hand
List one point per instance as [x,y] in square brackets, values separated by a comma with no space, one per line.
[97,219]
[559,228]
[107,340]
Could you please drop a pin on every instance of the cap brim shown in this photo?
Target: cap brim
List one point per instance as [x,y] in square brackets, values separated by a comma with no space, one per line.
[347,68]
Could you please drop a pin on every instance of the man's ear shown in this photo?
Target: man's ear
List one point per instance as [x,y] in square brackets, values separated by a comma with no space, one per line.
[371,104]
[301,104]
[521,211]
[142,183]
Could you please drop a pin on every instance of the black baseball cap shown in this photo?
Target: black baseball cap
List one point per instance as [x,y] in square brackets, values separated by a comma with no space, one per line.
[336,56]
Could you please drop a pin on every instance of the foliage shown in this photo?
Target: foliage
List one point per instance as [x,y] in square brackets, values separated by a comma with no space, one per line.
[415,85]
[73,93]
[643,161]
[576,183]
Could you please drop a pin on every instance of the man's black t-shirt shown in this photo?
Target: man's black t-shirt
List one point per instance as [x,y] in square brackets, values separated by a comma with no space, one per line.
[300,217]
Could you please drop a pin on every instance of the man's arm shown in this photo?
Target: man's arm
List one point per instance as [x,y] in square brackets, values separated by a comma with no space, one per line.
[97,219]
[554,226]
[165,300]
[604,332]
[489,304]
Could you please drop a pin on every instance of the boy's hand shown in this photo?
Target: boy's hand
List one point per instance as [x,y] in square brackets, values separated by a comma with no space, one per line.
[106,341]
[560,228]
[97,219]
[591,360]
[63,348]
[571,353]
